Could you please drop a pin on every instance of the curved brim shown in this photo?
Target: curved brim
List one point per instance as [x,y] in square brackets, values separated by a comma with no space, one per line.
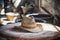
[39,28]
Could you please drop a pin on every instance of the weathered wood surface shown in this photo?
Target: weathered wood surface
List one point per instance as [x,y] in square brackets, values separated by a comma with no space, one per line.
[11,35]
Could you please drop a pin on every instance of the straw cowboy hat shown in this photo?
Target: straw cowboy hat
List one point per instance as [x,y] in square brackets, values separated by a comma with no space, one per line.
[29,24]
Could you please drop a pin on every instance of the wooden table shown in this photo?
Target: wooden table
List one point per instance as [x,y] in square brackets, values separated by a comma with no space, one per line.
[5,31]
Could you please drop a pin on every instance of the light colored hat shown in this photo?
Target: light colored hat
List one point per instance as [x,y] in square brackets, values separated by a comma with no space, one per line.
[29,24]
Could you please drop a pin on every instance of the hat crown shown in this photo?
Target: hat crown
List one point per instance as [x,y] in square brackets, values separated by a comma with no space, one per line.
[28,22]
[28,19]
